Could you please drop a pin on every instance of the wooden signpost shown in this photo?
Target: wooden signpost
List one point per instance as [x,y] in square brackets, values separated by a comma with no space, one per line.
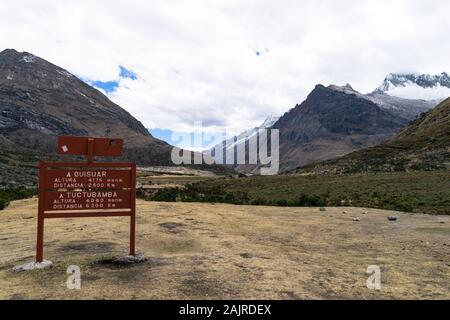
[86,189]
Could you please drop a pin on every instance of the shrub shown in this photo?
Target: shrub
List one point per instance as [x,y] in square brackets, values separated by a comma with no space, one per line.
[311,201]
[403,206]
[10,194]
[259,202]
[166,195]
[140,193]
[3,203]
[282,203]
[197,192]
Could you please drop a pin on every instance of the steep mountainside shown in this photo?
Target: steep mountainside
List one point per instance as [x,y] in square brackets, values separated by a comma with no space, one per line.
[39,101]
[331,123]
[406,108]
[337,120]
[423,145]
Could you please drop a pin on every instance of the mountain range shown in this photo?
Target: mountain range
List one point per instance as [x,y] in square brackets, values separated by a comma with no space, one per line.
[416,86]
[39,101]
[423,145]
[334,121]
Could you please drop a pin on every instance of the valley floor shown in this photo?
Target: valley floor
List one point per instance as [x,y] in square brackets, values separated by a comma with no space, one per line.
[221,251]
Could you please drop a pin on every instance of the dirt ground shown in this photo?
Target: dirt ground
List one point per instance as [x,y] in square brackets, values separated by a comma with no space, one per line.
[219,251]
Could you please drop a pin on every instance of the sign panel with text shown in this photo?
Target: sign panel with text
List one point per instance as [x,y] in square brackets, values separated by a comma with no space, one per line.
[86,189]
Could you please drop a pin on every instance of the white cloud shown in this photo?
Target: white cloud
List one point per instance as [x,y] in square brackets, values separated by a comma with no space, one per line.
[413,91]
[197,61]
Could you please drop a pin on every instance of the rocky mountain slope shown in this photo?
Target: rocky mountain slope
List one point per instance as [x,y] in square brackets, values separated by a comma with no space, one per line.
[423,145]
[404,107]
[39,101]
[334,121]
[331,123]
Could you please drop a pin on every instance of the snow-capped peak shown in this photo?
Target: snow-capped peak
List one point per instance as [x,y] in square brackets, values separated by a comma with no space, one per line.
[270,121]
[244,136]
[416,86]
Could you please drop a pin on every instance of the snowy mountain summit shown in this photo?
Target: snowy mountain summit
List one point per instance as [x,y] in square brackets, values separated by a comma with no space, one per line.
[416,86]
[233,142]
[242,137]
[269,122]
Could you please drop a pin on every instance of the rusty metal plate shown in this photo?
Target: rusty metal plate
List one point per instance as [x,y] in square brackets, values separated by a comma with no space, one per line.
[87,200]
[103,147]
[87,179]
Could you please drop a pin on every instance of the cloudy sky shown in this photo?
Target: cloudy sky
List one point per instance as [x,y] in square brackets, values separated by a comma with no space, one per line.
[227,63]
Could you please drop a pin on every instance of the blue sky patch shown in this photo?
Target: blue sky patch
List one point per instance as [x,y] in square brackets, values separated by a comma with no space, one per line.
[108,86]
[207,140]
[126,73]
[162,134]
[111,86]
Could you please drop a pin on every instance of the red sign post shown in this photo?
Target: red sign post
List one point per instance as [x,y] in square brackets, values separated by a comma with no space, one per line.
[86,189]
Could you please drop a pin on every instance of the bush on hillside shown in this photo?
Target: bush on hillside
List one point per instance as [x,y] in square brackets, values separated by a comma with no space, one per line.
[9,194]
[311,201]
[3,203]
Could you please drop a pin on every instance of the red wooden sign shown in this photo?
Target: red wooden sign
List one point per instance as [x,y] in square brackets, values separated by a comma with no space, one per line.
[86,189]
[90,147]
